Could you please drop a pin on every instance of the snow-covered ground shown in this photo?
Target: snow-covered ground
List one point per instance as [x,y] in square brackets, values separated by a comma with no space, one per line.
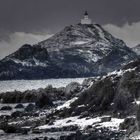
[84,122]
[66,104]
[22,85]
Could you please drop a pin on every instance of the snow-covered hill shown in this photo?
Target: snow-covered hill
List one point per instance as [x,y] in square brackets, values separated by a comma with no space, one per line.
[76,51]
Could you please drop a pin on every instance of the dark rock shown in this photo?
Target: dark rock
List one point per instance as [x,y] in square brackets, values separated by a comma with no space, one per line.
[36,139]
[51,139]
[18,97]
[68,121]
[106,119]
[36,131]
[51,122]
[128,122]
[30,107]
[127,89]
[84,114]
[8,128]
[89,127]
[5,117]
[19,106]
[43,101]
[79,110]
[138,118]
[47,121]
[31,96]
[71,89]
[6,108]
[16,114]
[25,130]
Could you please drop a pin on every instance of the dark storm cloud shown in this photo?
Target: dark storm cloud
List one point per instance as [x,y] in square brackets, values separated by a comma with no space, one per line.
[29,21]
[37,15]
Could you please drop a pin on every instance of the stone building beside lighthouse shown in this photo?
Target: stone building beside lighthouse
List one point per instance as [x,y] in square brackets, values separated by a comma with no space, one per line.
[86,19]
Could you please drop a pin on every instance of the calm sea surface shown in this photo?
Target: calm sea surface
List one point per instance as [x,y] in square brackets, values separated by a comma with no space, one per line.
[22,85]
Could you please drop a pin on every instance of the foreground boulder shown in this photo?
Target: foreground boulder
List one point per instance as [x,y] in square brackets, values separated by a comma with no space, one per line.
[6,108]
[19,106]
[43,101]
[16,114]
[71,89]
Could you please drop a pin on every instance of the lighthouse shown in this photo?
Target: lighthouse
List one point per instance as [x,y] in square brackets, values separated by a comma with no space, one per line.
[86,19]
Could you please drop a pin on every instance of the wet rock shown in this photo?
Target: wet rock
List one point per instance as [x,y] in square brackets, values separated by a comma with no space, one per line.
[6,108]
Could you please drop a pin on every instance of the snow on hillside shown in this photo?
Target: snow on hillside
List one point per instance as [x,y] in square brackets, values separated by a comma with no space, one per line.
[82,123]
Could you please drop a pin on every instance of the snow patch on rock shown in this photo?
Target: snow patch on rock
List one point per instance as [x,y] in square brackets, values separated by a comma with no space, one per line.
[67,104]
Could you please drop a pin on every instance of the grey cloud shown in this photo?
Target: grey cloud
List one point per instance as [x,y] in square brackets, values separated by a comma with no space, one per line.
[17,39]
[34,15]
[130,33]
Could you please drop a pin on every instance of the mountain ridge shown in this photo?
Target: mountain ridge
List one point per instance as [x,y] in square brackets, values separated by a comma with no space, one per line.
[76,51]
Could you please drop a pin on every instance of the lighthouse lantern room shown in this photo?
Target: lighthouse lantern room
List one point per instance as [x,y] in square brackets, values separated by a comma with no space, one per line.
[86,19]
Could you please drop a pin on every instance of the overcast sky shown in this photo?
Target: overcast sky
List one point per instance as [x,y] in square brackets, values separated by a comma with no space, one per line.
[30,21]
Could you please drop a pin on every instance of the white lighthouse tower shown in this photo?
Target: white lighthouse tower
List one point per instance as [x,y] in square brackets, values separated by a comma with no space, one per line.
[86,19]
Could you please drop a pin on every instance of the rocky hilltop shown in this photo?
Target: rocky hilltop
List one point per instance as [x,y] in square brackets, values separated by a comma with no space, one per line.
[76,51]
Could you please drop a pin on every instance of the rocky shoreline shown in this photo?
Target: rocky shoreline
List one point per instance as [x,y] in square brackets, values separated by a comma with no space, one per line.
[100,108]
